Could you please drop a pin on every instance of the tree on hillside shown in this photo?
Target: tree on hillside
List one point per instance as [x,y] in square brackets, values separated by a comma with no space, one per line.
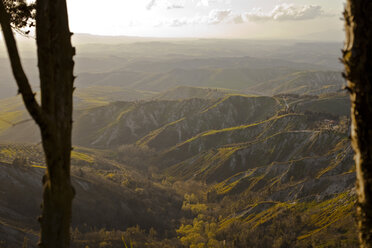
[54,114]
[357,57]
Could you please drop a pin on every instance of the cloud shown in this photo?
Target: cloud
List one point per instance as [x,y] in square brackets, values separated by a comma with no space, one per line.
[204,3]
[177,23]
[207,3]
[285,12]
[166,4]
[238,19]
[175,6]
[282,12]
[217,16]
[151,4]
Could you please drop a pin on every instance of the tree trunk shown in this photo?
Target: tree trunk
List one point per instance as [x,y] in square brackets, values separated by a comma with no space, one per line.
[54,116]
[357,57]
[56,82]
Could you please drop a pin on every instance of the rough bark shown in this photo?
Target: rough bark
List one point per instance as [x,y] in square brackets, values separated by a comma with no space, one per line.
[54,116]
[357,57]
[56,82]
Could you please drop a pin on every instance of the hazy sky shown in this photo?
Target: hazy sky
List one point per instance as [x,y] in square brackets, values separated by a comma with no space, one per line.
[317,19]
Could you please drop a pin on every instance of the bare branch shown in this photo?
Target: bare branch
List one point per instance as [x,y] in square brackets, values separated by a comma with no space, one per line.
[24,86]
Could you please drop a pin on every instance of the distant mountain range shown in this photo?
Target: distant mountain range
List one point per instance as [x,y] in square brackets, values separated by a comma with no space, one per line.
[161,64]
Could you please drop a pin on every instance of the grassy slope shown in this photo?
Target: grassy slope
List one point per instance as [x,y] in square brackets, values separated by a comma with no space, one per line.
[256,152]
[121,197]
[303,82]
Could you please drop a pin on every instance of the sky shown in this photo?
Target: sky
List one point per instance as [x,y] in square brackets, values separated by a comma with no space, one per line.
[267,19]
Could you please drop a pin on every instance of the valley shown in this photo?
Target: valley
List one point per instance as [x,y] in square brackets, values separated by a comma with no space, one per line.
[213,143]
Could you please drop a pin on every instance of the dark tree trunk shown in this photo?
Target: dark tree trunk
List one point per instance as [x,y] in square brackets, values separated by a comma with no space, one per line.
[56,82]
[54,116]
[357,57]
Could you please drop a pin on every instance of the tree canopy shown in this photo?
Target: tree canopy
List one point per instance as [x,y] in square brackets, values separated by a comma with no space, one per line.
[21,15]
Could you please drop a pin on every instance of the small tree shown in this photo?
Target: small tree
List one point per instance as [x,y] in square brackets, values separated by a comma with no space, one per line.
[357,57]
[54,115]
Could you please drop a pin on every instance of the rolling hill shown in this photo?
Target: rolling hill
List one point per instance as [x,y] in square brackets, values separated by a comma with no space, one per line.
[282,156]
[192,143]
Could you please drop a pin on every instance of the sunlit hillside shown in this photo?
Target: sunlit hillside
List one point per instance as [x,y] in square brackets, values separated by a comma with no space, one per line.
[191,143]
